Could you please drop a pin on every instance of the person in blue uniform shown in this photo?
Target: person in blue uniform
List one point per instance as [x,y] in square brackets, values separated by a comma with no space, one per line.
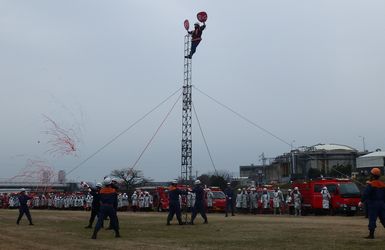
[23,209]
[95,207]
[174,204]
[374,196]
[115,185]
[108,196]
[196,38]
[229,199]
[199,206]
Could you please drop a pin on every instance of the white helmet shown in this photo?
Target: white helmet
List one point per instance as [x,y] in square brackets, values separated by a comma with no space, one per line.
[22,190]
[174,182]
[296,188]
[107,181]
[324,188]
[197,182]
[264,189]
[289,190]
[99,185]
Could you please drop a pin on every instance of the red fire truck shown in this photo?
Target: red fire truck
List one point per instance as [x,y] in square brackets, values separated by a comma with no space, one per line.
[345,195]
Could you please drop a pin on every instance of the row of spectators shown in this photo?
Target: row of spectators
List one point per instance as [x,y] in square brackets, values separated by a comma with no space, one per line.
[75,201]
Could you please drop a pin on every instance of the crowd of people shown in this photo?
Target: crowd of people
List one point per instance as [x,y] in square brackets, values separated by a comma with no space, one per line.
[249,200]
[141,201]
[104,201]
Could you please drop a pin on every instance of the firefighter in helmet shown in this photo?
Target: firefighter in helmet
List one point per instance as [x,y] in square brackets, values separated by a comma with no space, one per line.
[174,204]
[297,199]
[199,202]
[326,197]
[374,196]
[196,38]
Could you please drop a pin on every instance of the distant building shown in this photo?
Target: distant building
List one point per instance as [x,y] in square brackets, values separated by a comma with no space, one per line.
[366,162]
[322,157]
[254,173]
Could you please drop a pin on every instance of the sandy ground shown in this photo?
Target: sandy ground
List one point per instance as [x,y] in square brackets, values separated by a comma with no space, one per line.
[65,230]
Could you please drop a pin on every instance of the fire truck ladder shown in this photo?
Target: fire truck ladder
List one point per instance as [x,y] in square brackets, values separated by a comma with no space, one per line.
[186,166]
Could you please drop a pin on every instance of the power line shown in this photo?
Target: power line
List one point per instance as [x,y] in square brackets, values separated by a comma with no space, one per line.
[156,132]
[204,139]
[243,117]
[123,132]
[263,129]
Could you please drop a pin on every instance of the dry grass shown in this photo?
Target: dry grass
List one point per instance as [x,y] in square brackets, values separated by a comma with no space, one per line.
[65,230]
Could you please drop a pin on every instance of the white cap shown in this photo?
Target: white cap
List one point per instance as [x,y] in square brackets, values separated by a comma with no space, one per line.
[174,182]
[99,184]
[264,189]
[107,181]
[197,182]
[289,190]
[22,190]
[296,188]
[324,188]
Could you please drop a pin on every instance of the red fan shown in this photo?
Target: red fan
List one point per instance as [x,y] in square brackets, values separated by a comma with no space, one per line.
[202,16]
[186,24]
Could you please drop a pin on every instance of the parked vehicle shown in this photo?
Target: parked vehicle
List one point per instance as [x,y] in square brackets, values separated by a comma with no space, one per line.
[345,195]
[219,200]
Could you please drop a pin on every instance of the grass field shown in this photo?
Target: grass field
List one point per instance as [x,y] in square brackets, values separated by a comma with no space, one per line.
[65,230]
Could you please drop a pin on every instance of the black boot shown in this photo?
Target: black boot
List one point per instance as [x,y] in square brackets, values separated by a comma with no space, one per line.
[93,236]
[117,235]
[371,235]
[89,226]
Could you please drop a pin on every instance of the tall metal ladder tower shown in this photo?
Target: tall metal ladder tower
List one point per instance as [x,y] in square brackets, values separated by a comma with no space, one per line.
[186,166]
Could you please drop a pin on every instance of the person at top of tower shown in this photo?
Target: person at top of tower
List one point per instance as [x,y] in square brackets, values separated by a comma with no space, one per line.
[196,38]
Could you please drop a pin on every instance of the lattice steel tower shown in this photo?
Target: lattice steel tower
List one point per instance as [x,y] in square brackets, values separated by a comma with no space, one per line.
[186,167]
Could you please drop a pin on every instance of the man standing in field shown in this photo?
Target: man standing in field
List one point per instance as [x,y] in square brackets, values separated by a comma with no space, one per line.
[325,199]
[174,204]
[199,206]
[277,200]
[265,200]
[95,207]
[374,195]
[297,199]
[229,199]
[23,209]
[108,198]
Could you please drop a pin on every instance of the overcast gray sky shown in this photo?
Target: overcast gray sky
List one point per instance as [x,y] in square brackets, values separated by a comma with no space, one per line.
[309,71]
